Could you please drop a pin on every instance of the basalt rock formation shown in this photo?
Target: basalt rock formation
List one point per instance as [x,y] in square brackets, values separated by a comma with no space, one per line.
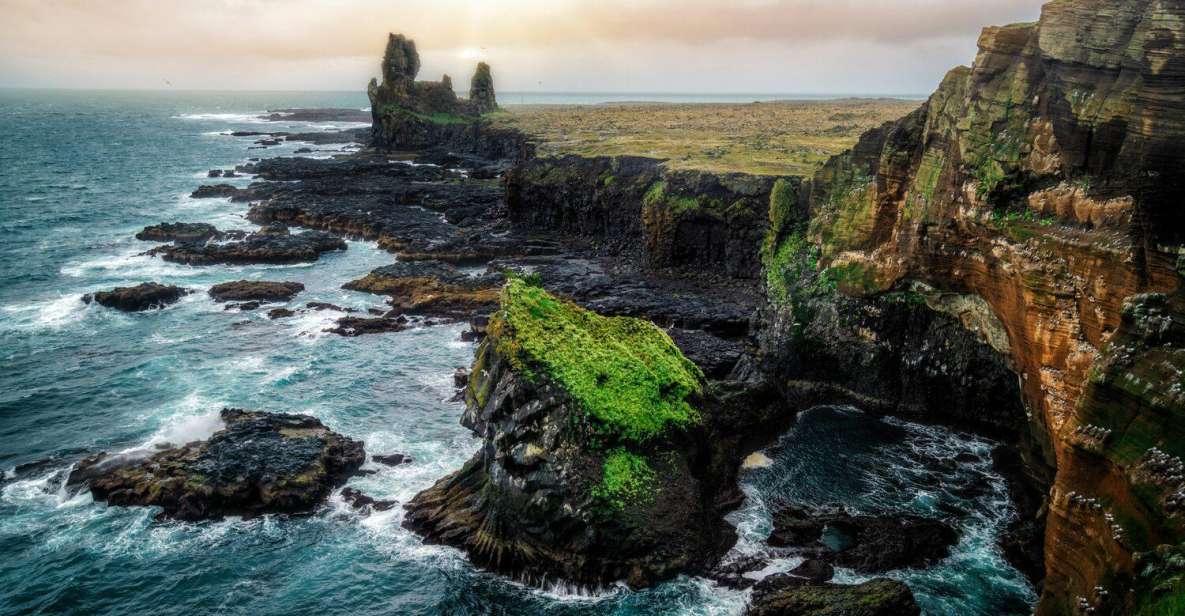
[258,463]
[255,290]
[1034,198]
[144,296]
[690,221]
[271,244]
[595,464]
[410,114]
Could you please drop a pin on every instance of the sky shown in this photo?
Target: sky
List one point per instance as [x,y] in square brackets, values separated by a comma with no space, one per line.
[687,46]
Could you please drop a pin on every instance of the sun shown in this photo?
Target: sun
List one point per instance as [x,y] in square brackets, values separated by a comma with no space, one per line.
[470,53]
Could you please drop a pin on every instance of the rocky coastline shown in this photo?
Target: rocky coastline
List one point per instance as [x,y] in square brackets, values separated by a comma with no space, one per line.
[997,261]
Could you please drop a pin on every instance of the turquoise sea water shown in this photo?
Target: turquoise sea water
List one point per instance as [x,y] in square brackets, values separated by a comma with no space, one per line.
[80,173]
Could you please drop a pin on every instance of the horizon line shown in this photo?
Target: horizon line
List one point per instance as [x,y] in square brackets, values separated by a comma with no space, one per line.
[838,94]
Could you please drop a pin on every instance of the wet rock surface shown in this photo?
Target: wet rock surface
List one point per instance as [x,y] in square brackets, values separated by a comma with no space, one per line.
[144,296]
[359,500]
[866,544]
[185,232]
[784,595]
[257,290]
[432,288]
[264,246]
[258,463]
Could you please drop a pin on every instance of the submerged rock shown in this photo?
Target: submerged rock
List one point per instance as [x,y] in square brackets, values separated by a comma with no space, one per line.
[358,500]
[394,459]
[144,296]
[258,463]
[784,595]
[867,544]
[258,290]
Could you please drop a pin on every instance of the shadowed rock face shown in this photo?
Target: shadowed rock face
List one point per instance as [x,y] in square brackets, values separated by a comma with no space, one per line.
[1042,188]
[258,463]
[481,90]
[143,296]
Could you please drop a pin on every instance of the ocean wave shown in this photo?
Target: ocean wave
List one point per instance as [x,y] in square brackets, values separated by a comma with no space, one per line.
[238,118]
[51,314]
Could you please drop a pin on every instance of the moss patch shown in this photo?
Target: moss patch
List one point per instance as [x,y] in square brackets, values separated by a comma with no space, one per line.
[627,478]
[627,374]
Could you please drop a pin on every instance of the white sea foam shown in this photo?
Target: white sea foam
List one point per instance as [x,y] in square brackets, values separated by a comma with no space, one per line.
[185,429]
[50,314]
[238,118]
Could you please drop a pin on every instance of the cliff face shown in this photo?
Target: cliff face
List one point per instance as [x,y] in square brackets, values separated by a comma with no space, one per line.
[1042,187]
[666,219]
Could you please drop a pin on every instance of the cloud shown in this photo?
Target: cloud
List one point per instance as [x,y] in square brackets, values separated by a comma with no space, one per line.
[190,39]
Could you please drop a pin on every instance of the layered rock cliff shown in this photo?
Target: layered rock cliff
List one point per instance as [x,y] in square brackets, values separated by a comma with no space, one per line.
[1031,197]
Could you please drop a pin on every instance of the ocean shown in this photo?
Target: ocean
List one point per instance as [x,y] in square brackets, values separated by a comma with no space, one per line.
[81,172]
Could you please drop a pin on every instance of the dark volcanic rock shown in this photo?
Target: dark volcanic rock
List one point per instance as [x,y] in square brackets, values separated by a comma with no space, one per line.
[326,114]
[358,500]
[353,135]
[280,313]
[261,247]
[814,570]
[394,459]
[732,574]
[784,595]
[259,463]
[185,232]
[140,297]
[359,326]
[259,290]
[244,306]
[215,191]
[866,544]
[538,501]
[432,288]
[319,306]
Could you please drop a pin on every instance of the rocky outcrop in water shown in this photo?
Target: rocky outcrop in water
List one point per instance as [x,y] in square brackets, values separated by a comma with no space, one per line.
[184,232]
[258,463]
[268,245]
[255,290]
[144,296]
[592,469]
[432,288]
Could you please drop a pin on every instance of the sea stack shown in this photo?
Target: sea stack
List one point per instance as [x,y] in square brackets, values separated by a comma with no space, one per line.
[407,112]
